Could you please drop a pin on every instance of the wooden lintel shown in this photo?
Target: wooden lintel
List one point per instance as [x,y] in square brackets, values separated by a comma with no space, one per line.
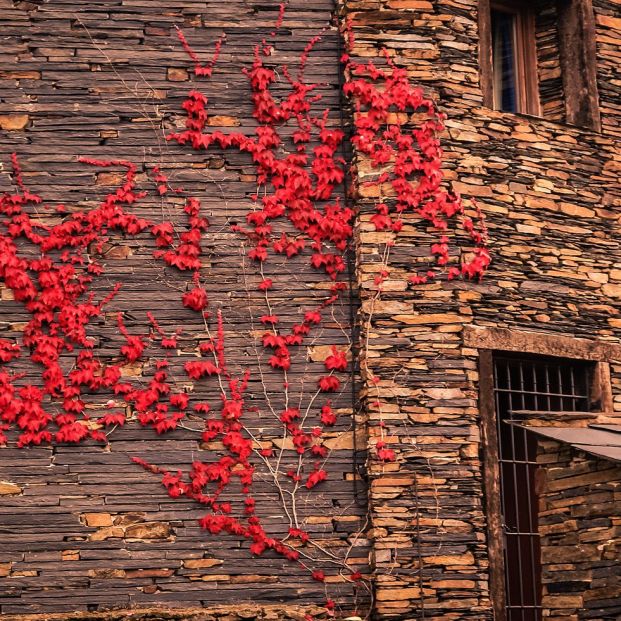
[504,339]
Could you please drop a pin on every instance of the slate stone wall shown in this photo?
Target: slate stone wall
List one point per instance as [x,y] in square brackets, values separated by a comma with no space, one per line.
[551,196]
[579,509]
[550,193]
[82,529]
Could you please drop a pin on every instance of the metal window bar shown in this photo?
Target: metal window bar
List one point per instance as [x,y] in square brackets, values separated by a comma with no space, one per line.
[528,384]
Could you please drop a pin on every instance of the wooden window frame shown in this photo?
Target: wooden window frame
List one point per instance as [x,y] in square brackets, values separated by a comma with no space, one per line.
[487,341]
[577,55]
[491,484]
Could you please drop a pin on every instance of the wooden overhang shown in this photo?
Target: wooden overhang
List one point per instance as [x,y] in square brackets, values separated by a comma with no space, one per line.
[599,439]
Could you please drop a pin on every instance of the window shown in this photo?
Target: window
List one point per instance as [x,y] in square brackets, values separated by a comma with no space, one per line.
[538,57]
[514,76]
[526,388]
[522,386]
[528,385]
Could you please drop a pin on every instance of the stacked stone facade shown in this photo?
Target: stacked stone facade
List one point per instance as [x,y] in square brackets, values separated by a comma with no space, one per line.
[579,509]
[551,196]
[84,529]
[550,193]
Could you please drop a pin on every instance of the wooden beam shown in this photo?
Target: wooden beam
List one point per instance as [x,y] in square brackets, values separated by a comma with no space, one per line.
[485,53]
[504,339]
[576,28]
[491,484]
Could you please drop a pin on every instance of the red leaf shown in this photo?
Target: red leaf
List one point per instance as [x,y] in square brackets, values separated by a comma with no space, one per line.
[312,317]
[314,478]
[133,349]
[386,454]
[8,350]
[290,415]
[329,383]
[337,361]
[198,369]
[196,299]
[116,418]
[328,417]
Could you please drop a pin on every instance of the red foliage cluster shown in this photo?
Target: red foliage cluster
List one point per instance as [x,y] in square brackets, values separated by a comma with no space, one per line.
[54,290]
[411,161]
[408,159]
[208,480]
[300,185]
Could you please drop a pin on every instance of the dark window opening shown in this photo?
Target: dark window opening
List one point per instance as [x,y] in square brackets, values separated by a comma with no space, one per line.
[504,59]
[514,67]
[528,384]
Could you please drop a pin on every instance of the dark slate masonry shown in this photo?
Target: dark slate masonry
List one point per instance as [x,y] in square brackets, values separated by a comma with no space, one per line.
[85,531]
[551,194]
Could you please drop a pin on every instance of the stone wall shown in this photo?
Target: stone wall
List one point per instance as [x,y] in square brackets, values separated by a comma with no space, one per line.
[550,193]
[579,523]
[83,528]
[250,612]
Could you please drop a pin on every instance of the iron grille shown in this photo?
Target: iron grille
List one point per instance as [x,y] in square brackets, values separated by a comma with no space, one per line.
[533,384]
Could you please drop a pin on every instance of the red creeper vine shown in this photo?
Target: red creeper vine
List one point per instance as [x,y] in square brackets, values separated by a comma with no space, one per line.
[408,159]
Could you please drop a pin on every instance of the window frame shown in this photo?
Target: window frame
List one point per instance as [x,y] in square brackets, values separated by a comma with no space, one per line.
[577,57]
[491,484]
[525,361]
[486,341]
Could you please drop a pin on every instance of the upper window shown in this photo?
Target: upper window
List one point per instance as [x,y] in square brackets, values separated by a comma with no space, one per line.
[514,66]
[538,57]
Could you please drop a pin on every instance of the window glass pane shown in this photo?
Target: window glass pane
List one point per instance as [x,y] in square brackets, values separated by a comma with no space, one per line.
[504,61]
